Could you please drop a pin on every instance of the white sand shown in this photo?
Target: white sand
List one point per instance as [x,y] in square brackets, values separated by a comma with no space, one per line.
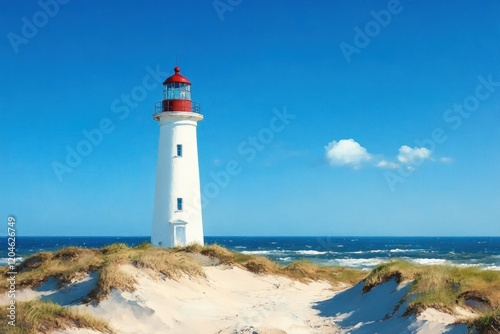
[229,300]
[381,311]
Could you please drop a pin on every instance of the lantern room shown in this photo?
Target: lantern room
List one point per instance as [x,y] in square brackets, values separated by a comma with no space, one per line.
[177,94]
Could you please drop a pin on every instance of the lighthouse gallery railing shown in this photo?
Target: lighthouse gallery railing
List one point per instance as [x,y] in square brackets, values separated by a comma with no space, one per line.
[160,107]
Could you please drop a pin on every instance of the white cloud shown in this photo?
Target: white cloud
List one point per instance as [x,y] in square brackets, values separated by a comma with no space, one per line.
[346,152]
[446,160]
[387,164]
[413,156]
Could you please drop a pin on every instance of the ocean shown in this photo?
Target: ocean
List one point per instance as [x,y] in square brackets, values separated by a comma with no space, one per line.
[355,252]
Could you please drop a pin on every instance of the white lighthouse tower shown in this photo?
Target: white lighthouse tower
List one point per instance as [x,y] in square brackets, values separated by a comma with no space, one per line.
[177,219]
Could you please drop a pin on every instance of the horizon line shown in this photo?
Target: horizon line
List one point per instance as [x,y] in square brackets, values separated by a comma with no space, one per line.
[265,236]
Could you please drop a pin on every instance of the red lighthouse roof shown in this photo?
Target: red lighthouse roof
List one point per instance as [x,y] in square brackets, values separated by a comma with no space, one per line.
[177,77]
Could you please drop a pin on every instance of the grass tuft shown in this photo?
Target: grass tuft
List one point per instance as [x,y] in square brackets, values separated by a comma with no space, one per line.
[191,248]
[34,261]
[115,248]
[308,271]
[66,264]
[400,270]
[36,317]
[168,263]
[223,254]
[439,286]
[261,265]
[488,323]
[112,277]
[143,246]
[302,270]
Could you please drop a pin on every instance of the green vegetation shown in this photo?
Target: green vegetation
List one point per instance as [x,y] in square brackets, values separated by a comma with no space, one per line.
[170,264]
[333,275]
[303,271]
[442,287]
[488,323]
[65,264]
[73,263]
[111,277]
[35,317]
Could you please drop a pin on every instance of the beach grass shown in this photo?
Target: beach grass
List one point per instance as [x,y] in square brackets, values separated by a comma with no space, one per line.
[223,254]
[111,277]
[66,264]
[72,263]
[441,286]
[171,264]
[302,270]
[37,316]
[488,323]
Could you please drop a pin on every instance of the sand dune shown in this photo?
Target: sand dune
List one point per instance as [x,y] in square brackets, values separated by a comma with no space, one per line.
[229,300]
[233,300]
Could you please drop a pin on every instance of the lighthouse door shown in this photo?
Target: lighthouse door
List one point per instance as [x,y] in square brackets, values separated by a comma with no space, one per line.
[180,236]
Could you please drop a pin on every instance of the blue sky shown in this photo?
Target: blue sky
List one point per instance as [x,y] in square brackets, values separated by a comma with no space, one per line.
[343,118]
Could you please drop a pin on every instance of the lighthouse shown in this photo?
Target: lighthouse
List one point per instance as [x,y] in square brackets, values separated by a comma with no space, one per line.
[177,218]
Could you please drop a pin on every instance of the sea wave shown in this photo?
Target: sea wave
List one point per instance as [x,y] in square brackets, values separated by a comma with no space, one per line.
[399,250]
[258,252]
[487,266]
[492,267]
[359,263]
[373,251]
[429,261]
[310,252]
[467,265]
[480,265]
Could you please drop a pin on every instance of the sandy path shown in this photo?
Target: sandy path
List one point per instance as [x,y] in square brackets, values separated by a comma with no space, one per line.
[229,300]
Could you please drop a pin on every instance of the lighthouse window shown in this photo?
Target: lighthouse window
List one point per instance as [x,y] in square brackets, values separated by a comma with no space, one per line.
[175,91]
[179,204]
[179,150]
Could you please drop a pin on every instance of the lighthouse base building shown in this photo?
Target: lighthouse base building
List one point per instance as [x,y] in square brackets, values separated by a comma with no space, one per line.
[177,216]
